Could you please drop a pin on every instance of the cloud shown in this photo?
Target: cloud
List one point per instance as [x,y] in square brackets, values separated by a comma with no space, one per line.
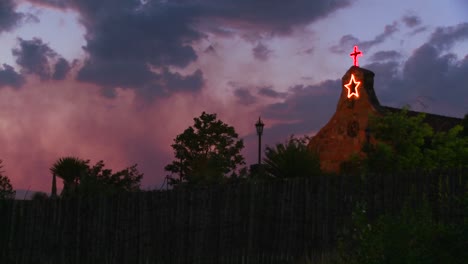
[61,69]
[445,37]
[36,57]
[269,92]
[128,40]
[244,97]
[9,77]
[427,73]
[411,21]
[9,18]
[261,52]
[385,55]
[347,41]
[274,16]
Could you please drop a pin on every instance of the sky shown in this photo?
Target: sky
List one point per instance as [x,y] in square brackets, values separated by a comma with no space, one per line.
[118,80]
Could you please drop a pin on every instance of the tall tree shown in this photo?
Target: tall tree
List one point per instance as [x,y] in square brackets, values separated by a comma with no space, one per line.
[6,189]
[205,152]
[291,159]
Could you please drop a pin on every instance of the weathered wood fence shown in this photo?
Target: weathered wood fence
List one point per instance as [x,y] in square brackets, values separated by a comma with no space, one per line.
[272,222]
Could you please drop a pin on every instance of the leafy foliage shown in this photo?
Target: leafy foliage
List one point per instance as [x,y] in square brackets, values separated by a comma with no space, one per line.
[404,143]
[401,142]
[206,152]
[291,159]
[6,189]
[80,178]
[409,237]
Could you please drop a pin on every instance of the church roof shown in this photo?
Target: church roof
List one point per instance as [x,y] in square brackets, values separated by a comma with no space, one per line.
[439,123]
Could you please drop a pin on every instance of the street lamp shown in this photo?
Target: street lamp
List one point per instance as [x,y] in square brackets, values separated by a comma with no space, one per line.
[259,126]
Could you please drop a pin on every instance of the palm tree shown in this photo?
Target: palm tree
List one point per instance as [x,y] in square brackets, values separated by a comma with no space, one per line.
[291,159]
[70,170]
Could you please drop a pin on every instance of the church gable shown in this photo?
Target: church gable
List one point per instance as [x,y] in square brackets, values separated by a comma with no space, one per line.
[345,132]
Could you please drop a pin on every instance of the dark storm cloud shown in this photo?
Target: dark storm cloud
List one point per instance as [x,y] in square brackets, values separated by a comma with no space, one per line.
[36,57]
[261,52]
[306,109]
[275,16]
[9,77]
[126,39]
[244,97]
[61,69]
[411,21]
[445,37]
[385,55]
[428,73]
[9,18]
[349,40]
[270,92]
[183,83]
[33,57]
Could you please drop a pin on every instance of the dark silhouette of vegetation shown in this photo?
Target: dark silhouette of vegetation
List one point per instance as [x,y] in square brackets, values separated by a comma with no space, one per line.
[402,143]
[291,159]
[70,170]
[81,178]
[39,196]
[412,236]
[6,189]
[207,152]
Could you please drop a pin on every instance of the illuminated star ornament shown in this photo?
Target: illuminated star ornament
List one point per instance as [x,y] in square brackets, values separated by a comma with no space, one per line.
[355,55]
[352,87]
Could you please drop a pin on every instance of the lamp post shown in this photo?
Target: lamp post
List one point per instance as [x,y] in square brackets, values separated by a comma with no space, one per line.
[259,126]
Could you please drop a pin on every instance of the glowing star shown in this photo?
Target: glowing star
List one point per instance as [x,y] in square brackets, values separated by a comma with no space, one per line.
[352,87]
[355,54]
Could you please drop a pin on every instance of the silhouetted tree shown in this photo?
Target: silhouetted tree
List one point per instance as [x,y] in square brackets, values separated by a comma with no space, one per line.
[39,196]
[70,170]
[205,152]
[101,180]
[80,178]
[6,189]
[291,159]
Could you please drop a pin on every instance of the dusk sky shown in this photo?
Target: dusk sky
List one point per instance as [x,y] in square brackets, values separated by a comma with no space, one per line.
[118,80]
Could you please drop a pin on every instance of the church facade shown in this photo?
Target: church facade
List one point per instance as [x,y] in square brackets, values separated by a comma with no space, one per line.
[347,130]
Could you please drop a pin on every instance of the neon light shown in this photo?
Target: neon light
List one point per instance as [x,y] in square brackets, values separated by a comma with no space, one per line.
[352,87]
[355,54]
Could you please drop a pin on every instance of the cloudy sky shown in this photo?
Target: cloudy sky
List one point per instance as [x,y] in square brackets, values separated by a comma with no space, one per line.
[118,79]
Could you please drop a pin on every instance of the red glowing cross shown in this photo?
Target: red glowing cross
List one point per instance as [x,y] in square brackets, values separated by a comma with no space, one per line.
[355,54]
[352,87]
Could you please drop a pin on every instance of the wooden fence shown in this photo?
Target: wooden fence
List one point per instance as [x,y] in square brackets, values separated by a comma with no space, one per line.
[271,222]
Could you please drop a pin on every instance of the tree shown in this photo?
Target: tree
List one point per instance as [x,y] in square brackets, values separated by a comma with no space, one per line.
[6,189]
[449,149]
[404,143]
[39,196]
[80,178]
[291,159]
[464,124]
[205,152]
[401,142]
[70,170]
[100,180]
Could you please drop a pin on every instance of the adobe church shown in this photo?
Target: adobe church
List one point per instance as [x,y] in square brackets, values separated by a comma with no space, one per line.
[345,133]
